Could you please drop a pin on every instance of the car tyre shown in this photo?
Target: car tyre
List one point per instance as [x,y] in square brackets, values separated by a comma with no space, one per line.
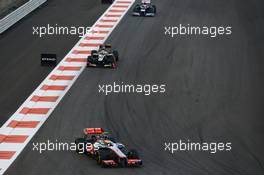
[154,9]
[115,53]
[81,141]
[132,154]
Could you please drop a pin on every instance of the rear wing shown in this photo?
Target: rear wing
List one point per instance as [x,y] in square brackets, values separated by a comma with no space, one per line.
[93,131]
[107,46]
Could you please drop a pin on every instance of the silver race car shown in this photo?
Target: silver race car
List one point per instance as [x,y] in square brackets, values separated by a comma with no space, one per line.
[105,150]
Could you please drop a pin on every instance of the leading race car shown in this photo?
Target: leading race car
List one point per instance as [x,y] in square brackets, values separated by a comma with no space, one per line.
[105,150]
[104,57]
[144,9]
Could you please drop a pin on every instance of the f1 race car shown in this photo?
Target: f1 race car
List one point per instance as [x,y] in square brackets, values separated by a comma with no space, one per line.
[104,57]
[144,9]
[97,144]
[107,1]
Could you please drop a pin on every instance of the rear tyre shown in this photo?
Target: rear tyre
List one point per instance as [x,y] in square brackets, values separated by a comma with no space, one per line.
[154,9]
[136,8]
[93,52]
[115,53]
[89,58]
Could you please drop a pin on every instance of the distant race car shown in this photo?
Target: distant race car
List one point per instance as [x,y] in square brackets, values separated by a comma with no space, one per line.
[107,1]
[105,150]
[144,9]
[104,57]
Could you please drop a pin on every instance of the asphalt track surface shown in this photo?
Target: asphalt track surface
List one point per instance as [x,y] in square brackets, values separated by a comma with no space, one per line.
[20,50]
[214,93]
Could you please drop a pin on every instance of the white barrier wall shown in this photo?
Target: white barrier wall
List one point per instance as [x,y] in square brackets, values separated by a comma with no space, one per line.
[19,13]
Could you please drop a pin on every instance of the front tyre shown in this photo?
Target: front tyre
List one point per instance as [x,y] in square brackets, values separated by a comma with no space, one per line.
[102,154]
[80,145]
[123,162]
[89,58]
[132,154]
[154,9]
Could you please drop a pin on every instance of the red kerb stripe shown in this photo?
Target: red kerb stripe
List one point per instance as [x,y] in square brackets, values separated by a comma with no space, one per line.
[100,31]
[61,77]
[36,98]
[89,44]
[53,88]
[94,38]
[13,138]
[108,20]
[104,26]
[23,124]
[6,154]
[26,110]
[81,52]
[69,68]
[75,60]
